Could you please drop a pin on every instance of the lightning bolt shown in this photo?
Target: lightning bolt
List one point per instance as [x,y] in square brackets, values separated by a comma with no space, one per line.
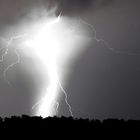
[9,42]
[18,61]
[62,89]
[105,42]
[66,98]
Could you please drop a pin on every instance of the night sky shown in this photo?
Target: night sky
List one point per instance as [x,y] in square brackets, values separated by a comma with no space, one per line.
[104,82]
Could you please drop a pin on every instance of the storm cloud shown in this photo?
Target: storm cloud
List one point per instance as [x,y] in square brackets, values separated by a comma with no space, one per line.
[103,83]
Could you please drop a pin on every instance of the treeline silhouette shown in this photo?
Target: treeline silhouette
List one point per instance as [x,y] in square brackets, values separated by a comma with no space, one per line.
[56,126]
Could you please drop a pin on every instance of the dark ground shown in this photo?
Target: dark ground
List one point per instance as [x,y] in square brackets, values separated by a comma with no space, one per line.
[63,127]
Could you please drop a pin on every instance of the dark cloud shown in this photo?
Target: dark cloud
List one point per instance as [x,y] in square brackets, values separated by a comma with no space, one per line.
[105,2]
[75,4]
[72,7]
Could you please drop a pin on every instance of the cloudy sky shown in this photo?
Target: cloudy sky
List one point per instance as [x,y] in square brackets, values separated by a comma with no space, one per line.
[103,82]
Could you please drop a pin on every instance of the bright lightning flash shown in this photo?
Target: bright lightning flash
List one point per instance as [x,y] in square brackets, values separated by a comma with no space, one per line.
[50,40]
[54,42]
[46,43]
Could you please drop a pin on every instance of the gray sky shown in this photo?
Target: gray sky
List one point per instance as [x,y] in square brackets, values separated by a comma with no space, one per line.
[103,83]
